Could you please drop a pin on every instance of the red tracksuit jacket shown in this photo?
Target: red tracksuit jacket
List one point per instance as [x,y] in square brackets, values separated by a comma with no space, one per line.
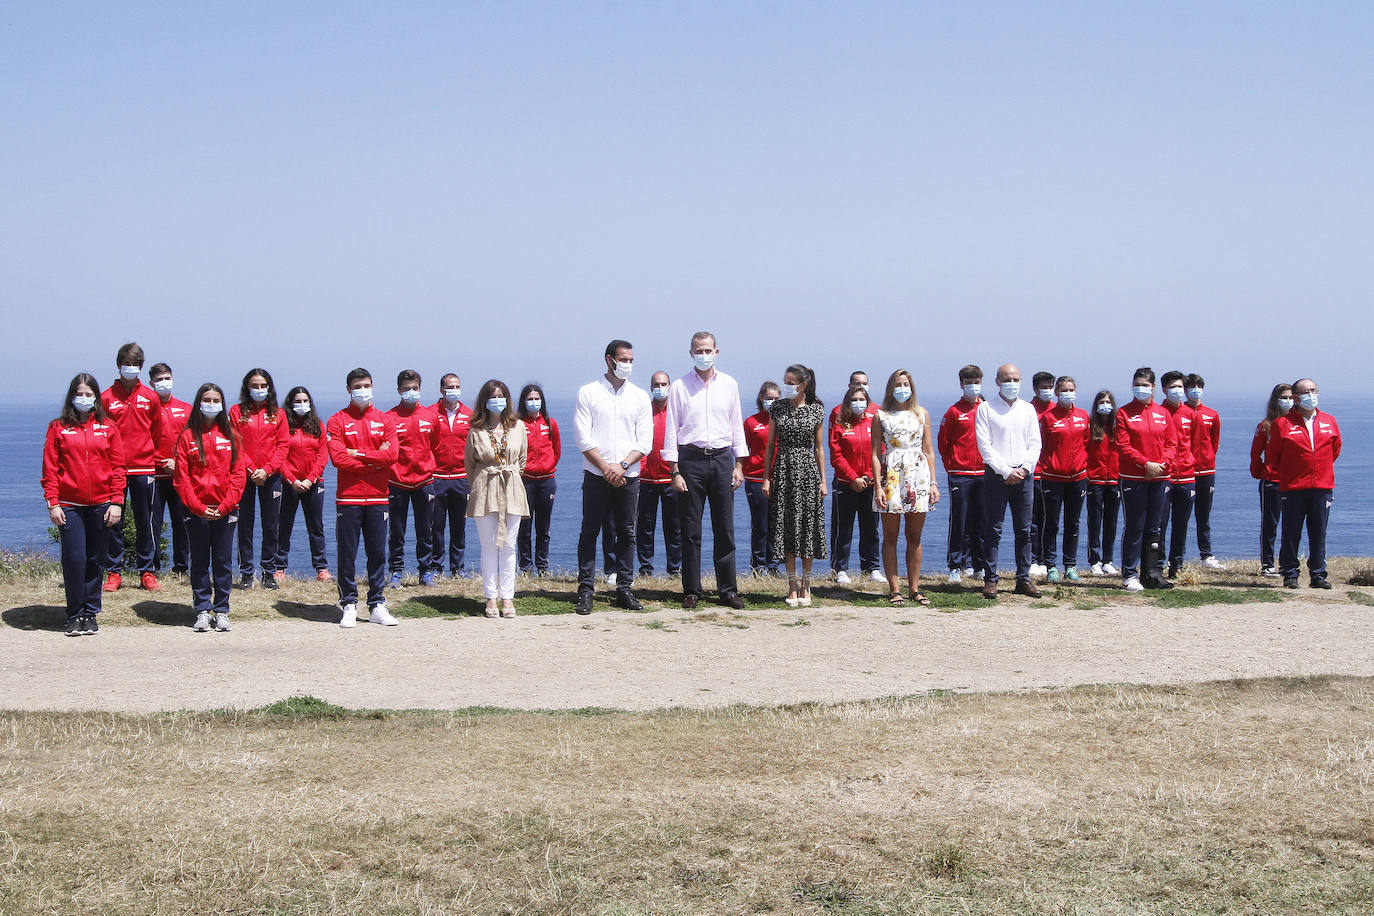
[450,446]
[305,456]
[135,413]
[1206,439]
[1064,444]
[1181,471]
[1259,458]
[545,448]
[262,439]
[1104,464]
[213,480]
[168,431]
[1041,408]
[756,440]
[364,478]
[958,440]
[417,429]
[1301,461]
[851,450]
[83,465]
[1145,432]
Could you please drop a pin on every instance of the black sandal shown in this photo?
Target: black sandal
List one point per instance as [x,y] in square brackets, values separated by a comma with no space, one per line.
[920,599]
[895,599]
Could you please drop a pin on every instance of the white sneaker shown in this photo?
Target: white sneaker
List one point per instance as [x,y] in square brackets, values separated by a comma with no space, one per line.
[877,575]
[1212,563]
[380,614]
[955,577]
[842,578]
[969,572]
[202,622]
[1269,572]
[349,620]
[1133,585]
[1038,572]
[1108,569]
[1095,569]
[222,623]
[610,579]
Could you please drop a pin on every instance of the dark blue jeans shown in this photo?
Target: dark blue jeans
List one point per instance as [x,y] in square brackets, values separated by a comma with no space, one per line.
[370,522]
[1204,492]
[760,509]
[1310,508]
[533,552]
[311,503]
[450,517]
[1177,512]
[212,562]
[845,507]
[83,535]
[421,499]
[1269,520]
[266,498]
[651,496]
[1066,497]
[138,500]
[1104,502]
[965,496]
[620,505]
[997,495]
[1143,503]
[166,504]
[708,479]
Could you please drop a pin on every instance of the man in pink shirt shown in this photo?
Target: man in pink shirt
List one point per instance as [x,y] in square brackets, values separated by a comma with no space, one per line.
[703,444]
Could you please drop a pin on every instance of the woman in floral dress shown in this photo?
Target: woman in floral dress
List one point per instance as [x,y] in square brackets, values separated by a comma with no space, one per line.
[796,487]
[903,455]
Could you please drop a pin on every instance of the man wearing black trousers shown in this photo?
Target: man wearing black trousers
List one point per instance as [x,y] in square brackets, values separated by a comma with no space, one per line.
[615,429]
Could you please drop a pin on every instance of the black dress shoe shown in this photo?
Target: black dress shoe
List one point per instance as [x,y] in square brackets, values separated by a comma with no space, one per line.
[731,600]
[1027,588]
[624,598]
[690,602]
[584,603]
[1320,583]
[1290,583]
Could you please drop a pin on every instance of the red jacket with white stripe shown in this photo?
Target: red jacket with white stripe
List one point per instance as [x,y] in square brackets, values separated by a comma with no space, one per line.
[364,478]
[1041,408]
[417,429]
[851,450]
[1104,463]
[135,413]
[262,439]
[756,440]
[1145,432]
[655,469]
[1206,439]
[450,445]
[213,479]
[83,465]
[958,440]
[168,431]
[545,448]
[1181,471]
[306,456]
[1303,461]
[1259,457]
[1064,444]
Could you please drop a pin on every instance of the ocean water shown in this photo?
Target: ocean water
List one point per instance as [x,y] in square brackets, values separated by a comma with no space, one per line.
[1235,515]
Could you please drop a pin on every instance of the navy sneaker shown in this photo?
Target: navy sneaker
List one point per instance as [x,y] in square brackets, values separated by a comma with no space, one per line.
[89,626]
[75,625]
[395,581]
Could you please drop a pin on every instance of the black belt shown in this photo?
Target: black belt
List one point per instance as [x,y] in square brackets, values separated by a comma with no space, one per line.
[703,452]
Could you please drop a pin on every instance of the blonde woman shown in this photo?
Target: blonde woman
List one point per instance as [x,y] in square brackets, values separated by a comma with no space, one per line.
[903,455]
[494,459]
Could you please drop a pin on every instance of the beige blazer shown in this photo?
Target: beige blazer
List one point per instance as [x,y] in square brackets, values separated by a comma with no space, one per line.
[496,488]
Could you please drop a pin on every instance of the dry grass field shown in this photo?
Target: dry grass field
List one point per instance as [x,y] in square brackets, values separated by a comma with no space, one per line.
[1245,797]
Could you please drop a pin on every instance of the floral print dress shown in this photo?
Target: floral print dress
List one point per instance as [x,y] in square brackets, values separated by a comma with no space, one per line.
[905,482]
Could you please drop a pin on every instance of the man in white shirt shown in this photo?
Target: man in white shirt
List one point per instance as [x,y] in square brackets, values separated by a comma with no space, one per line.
[703,444]
[615,429]
[1008,432]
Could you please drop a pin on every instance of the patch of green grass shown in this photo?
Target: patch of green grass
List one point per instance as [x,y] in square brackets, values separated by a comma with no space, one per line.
[1083,604]
[948,862]
[657,625]
[302,707]
[1198,597]
[455,606]
[799,622]
[1361,598]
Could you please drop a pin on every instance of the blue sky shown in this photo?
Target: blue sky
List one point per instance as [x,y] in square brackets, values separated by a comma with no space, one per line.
[500,188]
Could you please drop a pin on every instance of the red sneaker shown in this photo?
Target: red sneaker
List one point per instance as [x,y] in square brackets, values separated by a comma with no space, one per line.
[150,583]
[279,575]
[323,576]
[113,581]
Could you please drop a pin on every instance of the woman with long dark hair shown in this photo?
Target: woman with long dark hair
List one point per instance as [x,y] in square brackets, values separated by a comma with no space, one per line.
[303,480]
[261,427]
[83,483]
[761,559]
[210,476]
[795,483]
[496,454]
[1104,484]
[545,449]
[1279,403]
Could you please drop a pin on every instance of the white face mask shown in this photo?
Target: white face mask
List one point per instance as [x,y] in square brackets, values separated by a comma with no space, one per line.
[1046,394]
[301,409]
[84,403]
[1285,404]
[258,394]
[410,396]
[533,405]
[210,409]
[660,392]
[1308,400]
[623,370]
[857,407]
[1105,409]
[1066,398]
[163,386]
[361,396]
[1009,390]
[789,391]
[1195,394]
[453,395]
[1142,392]
[129,373]
[902,393]
[972,391]
[703,361]
[768,403]
[1175,394]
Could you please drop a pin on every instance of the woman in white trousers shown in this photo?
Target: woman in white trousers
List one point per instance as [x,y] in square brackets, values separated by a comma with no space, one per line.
[495,456]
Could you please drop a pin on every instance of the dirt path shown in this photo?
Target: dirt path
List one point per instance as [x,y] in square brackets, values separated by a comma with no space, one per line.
[627,661]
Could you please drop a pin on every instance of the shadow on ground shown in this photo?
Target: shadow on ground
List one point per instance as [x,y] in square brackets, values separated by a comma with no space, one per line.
[36,617]
[315,613]
[164,613]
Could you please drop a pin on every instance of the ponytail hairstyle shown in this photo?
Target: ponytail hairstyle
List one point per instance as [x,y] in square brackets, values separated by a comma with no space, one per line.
[534,388]
[807,378]
[68,415]
[846,417]
[246,403]
[198,423]
[1272,412]
[310,422]
[767,386]
[1100,427]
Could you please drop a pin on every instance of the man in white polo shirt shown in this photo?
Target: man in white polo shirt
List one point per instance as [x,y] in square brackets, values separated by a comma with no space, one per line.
[1008,430]
[615,429]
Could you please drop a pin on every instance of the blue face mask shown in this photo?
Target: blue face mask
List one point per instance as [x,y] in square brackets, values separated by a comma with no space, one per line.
[703,361]
[258,394]
[768,403]
[361,397]
[1195,394]
[129,373]
[1105,409]
[1009,390]
[301,409]
[1142,392]
[973,391]
[1175,394]
[496,405]
[410,396]
[660,393]
[789,391]
[1066,398]
[1046,395]
[902,393]
[84,403]
[533,405]
[1285,404]
[453,395]
[858,407]
[163,386]
[209,409]
[1308,400]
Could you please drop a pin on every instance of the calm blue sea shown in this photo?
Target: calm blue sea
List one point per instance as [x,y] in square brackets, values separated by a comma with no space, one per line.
[1235,522]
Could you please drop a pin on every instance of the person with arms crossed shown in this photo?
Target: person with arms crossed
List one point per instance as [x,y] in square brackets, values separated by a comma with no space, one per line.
[135,410]
[166,503]
[963,463]
[656,489]
[1008,431]
[703,443]
[1304,444]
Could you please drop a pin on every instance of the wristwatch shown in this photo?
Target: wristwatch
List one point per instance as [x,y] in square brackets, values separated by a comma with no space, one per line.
[624,466]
